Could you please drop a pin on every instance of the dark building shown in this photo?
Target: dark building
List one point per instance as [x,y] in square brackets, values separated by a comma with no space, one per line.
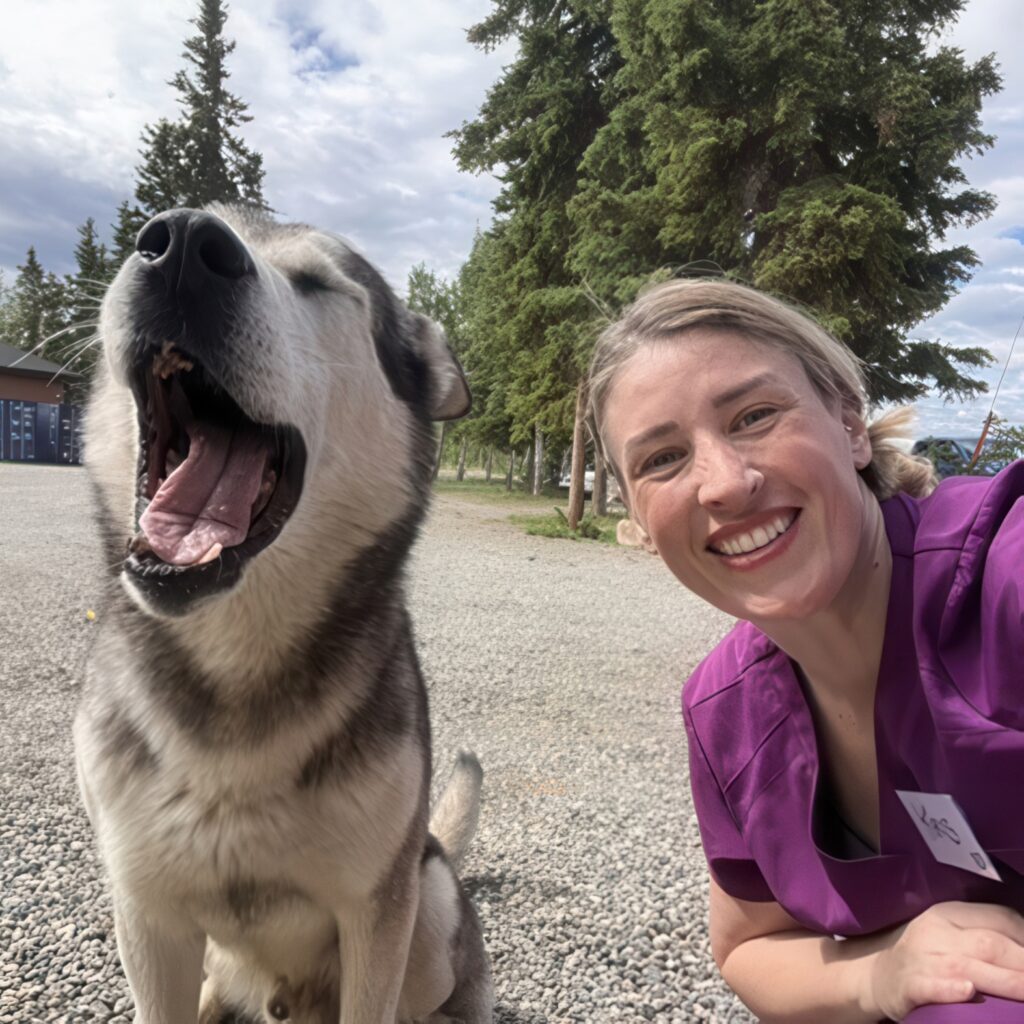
[36,425]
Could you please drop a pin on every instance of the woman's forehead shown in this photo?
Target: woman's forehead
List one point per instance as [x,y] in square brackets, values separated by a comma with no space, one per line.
[709,360]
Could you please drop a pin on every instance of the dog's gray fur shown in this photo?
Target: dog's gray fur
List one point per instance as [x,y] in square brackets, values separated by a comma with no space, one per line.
[257,767]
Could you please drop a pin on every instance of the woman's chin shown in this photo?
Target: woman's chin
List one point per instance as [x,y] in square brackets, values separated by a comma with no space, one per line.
[784,604]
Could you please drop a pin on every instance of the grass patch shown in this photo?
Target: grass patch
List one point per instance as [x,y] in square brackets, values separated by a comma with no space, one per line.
[599,528]
[529,507]
[494,493]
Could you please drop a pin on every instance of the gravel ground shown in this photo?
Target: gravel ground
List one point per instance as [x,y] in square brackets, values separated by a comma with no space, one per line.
[559,663]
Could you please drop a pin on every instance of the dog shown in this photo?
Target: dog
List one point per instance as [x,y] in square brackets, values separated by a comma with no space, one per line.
[253,745]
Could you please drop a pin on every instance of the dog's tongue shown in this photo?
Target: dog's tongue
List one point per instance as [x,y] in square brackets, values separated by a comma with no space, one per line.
[208,499]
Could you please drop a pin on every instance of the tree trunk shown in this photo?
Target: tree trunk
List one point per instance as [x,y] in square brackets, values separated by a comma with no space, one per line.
[599,497]
[579,458]
[511,469]
[538,459]
[440,449]
[461,471]
[490,463]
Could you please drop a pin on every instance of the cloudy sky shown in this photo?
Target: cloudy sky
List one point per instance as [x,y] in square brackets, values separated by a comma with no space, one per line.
[350,103]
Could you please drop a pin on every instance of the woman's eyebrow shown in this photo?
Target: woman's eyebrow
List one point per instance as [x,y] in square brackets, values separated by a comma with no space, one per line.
[650,434]
[726,397]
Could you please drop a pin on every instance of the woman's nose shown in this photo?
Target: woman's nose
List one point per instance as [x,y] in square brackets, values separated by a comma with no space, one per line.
[726,478]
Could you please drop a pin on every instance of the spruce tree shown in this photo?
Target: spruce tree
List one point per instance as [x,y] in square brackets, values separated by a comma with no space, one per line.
[130,220]
[810,147]
[37,309]
[200,158]
[536,123]
[83,292]
[6,311]
[433,296]
[486,359]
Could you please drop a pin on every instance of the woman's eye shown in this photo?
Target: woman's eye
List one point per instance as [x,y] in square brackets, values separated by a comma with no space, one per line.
[755,416]
[661,460]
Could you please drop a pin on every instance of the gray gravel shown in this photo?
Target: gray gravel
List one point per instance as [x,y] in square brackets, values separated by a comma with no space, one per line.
[559,663]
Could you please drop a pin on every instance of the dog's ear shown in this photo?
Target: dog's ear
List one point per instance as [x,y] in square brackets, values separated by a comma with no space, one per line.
[450,398]
[631,535]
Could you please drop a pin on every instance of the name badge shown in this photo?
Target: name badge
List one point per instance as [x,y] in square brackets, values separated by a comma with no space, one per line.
[944,828]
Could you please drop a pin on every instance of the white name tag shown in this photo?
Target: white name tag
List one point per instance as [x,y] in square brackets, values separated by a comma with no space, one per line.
[944,828]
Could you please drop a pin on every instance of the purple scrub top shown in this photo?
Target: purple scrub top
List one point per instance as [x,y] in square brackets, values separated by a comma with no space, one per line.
[949,718]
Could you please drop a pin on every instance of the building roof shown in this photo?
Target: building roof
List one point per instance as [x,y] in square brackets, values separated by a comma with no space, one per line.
[16,360]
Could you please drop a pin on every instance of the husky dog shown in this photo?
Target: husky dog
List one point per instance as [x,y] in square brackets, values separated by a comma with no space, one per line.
[253,743]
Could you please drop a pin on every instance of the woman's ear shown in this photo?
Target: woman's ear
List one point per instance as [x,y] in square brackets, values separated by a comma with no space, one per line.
[631,534]
[860,442]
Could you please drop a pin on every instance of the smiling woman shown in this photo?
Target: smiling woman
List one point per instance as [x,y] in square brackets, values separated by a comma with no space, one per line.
[870,683]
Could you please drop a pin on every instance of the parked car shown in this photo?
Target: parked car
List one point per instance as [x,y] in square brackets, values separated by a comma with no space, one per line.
[588,479]
[952,455]
[612,486]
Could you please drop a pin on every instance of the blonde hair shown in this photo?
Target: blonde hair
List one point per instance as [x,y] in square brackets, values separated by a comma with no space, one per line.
[677,307]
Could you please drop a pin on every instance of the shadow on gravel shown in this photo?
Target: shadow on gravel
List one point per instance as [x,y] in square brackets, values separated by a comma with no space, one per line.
[495,885]
[489,884]
[506,1015]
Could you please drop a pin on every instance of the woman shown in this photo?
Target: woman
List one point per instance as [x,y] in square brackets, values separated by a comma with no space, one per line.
[880,653]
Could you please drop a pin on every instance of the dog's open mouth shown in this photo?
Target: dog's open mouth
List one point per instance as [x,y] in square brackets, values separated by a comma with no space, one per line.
[214,487]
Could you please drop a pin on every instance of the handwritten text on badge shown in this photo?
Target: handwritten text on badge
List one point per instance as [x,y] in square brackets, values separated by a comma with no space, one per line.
[944,828]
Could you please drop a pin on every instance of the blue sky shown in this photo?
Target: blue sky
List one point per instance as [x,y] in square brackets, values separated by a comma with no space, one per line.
[351,102]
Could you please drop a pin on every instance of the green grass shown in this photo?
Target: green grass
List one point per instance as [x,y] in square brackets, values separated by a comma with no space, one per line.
[494,493]
[528,508]
[599,528]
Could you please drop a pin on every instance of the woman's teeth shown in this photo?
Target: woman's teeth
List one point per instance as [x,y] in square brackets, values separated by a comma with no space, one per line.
[744,543]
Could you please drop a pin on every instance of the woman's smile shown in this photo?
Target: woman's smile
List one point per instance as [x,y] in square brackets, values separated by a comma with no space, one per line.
[746,547]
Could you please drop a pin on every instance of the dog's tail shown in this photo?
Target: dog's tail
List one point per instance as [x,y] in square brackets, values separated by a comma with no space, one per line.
[454,819]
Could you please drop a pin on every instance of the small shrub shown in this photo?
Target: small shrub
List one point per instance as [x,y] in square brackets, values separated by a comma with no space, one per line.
[601,529]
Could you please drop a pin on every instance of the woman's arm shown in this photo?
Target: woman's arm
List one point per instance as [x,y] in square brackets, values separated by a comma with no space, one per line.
[785,973]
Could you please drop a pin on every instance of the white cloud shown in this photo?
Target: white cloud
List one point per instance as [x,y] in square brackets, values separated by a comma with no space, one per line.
[349,102]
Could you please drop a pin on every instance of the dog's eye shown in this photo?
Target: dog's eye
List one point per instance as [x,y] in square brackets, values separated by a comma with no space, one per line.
[308,283]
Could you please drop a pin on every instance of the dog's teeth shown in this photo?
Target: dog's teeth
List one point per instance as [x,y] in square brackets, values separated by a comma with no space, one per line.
[139,544]
[169,361]
[210,555]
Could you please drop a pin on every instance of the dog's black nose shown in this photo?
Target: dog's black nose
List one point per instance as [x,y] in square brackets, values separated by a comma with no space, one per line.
[193,250]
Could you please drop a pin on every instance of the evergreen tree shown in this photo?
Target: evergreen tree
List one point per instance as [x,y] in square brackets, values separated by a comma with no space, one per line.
[130,220]
[536,123]
[433,296]
[164,178]
[807,146]
[486,360]
[83,292]
[199,158]
[37,309]
[6,311]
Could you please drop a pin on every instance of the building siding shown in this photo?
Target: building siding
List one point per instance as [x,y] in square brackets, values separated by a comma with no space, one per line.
[19,388]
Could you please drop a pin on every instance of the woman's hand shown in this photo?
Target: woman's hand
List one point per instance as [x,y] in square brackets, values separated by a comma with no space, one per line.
[946,955]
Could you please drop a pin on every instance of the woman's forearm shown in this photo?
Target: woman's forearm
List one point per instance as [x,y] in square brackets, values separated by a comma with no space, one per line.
[797,976]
